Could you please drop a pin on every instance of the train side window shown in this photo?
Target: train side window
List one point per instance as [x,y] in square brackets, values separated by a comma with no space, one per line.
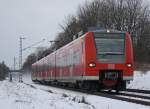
[35,69]
[76,57]
[49,63]
[71,57]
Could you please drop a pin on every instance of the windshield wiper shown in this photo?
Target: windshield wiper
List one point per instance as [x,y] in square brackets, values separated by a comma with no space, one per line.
[111,53]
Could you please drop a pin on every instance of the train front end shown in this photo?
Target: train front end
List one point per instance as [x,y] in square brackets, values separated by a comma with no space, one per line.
[111,59]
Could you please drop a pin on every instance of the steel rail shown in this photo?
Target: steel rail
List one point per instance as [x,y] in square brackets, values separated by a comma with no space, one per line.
[138,91]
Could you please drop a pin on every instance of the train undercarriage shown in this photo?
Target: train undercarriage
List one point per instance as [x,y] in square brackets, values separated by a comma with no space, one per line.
[108,80]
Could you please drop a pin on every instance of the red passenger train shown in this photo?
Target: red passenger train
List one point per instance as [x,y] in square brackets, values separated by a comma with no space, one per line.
[100,59]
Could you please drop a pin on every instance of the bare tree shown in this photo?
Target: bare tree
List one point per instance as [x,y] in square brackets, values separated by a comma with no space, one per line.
[124,15]
[3,71]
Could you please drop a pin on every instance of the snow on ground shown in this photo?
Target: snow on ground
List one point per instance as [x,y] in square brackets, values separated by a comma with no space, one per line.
[95,101]
[20,96]
[141,80]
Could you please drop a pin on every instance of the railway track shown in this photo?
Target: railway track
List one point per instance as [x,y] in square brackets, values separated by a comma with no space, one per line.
[123,96]
[138,91]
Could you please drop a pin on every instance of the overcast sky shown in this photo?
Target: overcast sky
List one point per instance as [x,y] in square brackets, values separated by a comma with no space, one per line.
[33,19]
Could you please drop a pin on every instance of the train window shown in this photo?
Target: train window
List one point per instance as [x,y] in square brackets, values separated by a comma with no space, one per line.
[35,68]
[76,57]
[110,47]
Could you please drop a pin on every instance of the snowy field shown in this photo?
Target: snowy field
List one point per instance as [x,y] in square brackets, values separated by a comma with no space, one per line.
[141,80]
[20,96]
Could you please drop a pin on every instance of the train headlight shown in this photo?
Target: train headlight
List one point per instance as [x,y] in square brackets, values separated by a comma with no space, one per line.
[108,31]
[129,65]
[92,65]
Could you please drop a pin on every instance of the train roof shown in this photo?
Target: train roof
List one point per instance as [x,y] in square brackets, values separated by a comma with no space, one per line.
[106,31]
[83,35]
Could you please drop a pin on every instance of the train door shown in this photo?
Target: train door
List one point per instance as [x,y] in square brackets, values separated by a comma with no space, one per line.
[71,67]
[82,59]
[82,56]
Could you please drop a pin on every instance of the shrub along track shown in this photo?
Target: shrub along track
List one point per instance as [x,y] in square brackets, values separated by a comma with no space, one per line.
[133,98]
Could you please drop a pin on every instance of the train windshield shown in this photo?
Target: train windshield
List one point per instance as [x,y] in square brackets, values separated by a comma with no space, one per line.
[110,47]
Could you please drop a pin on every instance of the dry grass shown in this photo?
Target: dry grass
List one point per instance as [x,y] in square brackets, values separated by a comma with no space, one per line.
[142,66]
